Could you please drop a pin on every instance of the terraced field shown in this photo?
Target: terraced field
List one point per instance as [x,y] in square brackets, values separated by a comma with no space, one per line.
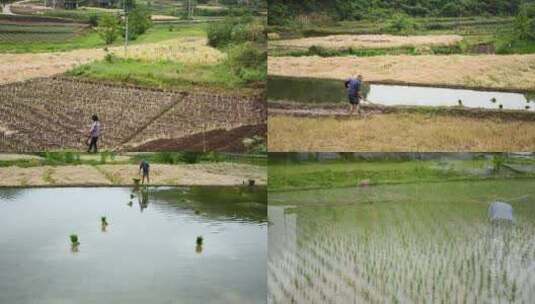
[20,29]
[12,33]
[54,113]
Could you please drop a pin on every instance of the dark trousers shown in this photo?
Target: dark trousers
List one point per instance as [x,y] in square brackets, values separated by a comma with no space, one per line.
[93,144]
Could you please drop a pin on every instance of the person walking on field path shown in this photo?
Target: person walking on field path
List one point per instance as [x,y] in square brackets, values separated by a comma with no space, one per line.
[94,134]
[354,93]
[144,166]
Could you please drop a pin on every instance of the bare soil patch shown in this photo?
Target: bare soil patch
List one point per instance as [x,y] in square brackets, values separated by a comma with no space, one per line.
[102,175]
[216,140]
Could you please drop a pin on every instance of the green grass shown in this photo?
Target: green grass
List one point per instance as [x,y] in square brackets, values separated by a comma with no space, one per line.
[90,39]
[161,74]
[75,158]
[338,173]
[504,45]
[496,31]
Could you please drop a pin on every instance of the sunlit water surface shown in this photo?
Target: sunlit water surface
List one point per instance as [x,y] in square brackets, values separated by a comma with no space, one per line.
[146,254]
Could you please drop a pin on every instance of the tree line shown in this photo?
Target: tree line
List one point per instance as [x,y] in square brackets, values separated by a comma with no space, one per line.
[283,11]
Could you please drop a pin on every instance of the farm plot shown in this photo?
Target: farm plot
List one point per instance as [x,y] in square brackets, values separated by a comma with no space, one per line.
[49,113]
[513,72]
[199,113]
[338,42]
[54,113]
[425,243]
[18,33]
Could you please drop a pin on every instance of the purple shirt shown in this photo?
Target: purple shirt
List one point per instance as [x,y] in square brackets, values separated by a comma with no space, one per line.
[95,129]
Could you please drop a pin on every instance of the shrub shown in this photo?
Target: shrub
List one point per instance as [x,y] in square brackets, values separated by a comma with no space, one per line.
[279,14]
[524,25]
[401,24]
[235,30]
[93,19]
[451,9]
[248,62]
[108,28]
[139,21]
[190,157]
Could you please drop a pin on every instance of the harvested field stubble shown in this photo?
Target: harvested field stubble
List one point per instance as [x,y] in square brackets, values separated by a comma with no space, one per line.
[337,42]
[188,50]
[399,132]
[471,71]
[54,113]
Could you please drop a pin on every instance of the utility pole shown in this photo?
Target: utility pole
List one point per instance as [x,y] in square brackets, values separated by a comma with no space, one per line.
[125,29]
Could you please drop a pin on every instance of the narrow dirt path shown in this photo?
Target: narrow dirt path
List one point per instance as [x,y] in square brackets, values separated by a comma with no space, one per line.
[122,175]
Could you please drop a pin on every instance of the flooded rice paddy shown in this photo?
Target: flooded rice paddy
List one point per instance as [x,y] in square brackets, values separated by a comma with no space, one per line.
[307,90]
[415,243]
[147,253]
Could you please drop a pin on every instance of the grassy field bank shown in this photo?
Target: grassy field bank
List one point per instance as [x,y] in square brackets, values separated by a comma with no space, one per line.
[290,173]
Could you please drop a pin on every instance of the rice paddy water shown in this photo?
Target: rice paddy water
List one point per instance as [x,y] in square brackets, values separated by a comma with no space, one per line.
[411,243]
[148,252]
[307,90]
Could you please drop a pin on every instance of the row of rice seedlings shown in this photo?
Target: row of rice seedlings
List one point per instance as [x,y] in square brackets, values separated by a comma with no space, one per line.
[474,261]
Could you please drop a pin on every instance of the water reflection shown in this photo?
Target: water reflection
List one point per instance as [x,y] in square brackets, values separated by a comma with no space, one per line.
[36,257]
[307,90]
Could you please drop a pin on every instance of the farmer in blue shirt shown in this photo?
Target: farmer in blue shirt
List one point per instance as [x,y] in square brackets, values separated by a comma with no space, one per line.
[144,166]
[353,86]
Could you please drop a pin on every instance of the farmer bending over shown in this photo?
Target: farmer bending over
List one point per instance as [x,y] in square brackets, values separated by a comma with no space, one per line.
[94,133]
[144,166]
[353,86]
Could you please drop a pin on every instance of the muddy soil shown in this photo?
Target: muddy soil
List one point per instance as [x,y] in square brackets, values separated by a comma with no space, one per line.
[341,111]
[54,113]
[215,140]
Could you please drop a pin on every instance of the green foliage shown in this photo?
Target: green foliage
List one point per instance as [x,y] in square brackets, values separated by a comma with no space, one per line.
[74,239]
[248,62]
[497,162]
[235,30]
[93,19]
[401,24]
[139,21]
[191,157]
[285,12]
[524,25]
[58,158]
[104,156]
[452,9]
[108,28]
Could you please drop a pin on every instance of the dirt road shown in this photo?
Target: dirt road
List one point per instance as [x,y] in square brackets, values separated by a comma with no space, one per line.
[225,174]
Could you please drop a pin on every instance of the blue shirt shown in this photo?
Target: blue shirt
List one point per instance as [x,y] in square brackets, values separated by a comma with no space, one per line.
[353,86]
[145,166]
